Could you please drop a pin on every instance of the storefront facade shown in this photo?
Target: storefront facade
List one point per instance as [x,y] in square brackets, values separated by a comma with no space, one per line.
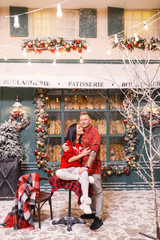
[71,87]
[63,106]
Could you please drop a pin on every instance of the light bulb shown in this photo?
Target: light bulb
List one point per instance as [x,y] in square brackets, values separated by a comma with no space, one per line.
[145,25]
[6,58]
[81,60]
[136,37]
[59,11]
[57,53]
[16,22]
[115,38]
[88,49]
[108,52]
[29,63]
[24,52]
[54,62]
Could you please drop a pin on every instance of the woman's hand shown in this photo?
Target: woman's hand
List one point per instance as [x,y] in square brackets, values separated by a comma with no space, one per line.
[86,151]
[65,147]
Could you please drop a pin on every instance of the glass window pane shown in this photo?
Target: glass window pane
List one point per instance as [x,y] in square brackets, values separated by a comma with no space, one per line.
[54,149]
[115,99]
[53,100]
[41,23]
[54,123]
[103,151]
[84,100]
[136,15]
[116,123]
[66,24]
[117,152]
[132,18]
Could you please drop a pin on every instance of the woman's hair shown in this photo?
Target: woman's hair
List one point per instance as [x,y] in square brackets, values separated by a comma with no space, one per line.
[71,134]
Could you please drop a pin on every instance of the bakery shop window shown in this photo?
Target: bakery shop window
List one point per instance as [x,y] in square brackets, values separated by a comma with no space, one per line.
[64,107]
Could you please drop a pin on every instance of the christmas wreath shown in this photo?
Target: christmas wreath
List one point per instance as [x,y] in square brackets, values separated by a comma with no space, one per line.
[20,118]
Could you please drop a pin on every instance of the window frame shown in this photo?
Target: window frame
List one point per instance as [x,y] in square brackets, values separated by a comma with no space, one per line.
[53,25]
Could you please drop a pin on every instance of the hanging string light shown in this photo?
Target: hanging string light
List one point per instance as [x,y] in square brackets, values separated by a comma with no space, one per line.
[54,62]
[88,48]
[136,37]
[108,51]
[81,60]
[24,52]
[145,25]
[57,52]
[16,19]
[59,11]
[16,22]
[6,57]
[29,62]
[115,38]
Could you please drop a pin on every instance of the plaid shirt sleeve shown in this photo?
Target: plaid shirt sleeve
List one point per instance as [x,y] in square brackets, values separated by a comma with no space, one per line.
[92,139]
[96,141]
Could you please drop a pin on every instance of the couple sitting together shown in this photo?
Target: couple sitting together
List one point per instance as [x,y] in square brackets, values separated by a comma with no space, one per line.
[81,162]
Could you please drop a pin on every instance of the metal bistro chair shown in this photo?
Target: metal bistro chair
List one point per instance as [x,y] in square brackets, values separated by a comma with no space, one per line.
[41,200]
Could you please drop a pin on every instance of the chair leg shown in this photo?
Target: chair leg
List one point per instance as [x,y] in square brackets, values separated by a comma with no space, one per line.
[50,204]
[39,217]
[68,220]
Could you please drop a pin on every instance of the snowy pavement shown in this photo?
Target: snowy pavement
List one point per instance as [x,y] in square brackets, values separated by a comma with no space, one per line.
[126,213]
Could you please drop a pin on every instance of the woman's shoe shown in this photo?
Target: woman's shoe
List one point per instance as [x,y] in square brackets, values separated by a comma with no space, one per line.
[85,205]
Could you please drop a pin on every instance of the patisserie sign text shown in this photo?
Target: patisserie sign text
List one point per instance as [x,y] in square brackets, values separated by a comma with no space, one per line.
[86,84]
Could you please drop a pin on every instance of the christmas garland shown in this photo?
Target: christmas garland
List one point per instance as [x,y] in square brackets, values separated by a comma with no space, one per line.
[20,118]
[141,43]
[54,45]
[41,132]
[155,117]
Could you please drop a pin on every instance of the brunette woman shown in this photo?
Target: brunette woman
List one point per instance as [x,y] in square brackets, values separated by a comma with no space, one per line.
[71,163]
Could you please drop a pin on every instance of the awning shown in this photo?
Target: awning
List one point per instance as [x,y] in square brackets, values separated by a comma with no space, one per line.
[75,76]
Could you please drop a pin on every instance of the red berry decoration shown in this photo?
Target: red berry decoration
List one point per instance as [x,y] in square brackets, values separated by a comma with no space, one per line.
[36,152]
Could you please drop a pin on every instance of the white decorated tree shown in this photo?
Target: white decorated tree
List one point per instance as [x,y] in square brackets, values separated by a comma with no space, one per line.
[141,112]
[10,144]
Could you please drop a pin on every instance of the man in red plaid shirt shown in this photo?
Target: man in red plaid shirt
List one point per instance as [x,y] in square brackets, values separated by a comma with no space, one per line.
[92,139]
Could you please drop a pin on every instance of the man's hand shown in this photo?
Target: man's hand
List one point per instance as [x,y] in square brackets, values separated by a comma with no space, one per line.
[65,147]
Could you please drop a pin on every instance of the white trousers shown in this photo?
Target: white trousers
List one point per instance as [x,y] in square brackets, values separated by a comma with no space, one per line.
[72,173]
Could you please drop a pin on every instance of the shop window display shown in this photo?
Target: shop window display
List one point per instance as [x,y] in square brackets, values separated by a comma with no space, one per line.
[64,107]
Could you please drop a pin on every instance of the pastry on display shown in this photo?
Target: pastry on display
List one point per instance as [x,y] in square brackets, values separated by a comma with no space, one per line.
[117,152]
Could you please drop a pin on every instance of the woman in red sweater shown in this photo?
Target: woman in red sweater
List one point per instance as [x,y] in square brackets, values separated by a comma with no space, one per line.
[71,163]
